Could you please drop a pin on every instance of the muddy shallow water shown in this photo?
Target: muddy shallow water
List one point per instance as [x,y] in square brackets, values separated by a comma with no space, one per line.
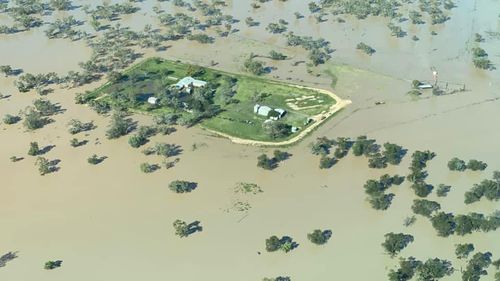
[113,222]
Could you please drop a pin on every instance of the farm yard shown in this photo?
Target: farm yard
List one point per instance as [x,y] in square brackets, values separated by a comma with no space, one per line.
[225,105]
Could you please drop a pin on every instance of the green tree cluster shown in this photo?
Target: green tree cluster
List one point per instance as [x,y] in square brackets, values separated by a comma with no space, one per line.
[486,188]
[425,207]
[119,126]
[396,242]
[77,126]
[319,237]
[269,163]
[179,186]
[462,251]
[52,265]
[375,190]
[476,267]
[365,48]
[9,119]
[284,243]
[183,229]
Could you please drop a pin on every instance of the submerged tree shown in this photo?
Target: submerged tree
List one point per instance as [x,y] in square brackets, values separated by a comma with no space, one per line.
[462,251]
[254,66]
[444,223]
[456,164]
[183,229]
[365,48]
[406,270]
[425,207]
[395,242]
[9,119]
[34,149]
[33,119]
[179,186]
[476,266]
[434,269]
[44,166]
[285,244]
[319,237]
[119,126]
[52,264]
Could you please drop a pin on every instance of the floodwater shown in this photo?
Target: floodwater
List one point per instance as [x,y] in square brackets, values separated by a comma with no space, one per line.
[113,222]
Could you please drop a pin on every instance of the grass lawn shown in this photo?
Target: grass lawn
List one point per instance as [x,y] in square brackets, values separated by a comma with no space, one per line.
[152,76]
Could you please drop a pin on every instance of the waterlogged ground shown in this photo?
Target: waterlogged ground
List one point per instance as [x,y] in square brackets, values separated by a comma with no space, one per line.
[113,222]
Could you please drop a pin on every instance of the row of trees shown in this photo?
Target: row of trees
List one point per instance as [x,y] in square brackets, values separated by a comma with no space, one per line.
[286,243]
[486,188]
[270,163]
[418,174]
[447,224]
[456,164]
[431,269]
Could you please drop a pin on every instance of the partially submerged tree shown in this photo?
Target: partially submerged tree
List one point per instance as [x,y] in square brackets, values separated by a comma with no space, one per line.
[254,66]
[9,119]
[365,48]
[319,237]
[44,166]
[406,270]
[444,223]
[94,159]
[285,244]
[395,242]
[183,229]
[434,269]
[119,126]
[456,164]
[34,149]
[425,207]
[33,119]
[462,251]
[476,267]
[179,186]
[52,264]
[77,126]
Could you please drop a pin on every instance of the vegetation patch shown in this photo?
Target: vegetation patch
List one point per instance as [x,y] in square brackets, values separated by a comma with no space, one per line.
[225,104]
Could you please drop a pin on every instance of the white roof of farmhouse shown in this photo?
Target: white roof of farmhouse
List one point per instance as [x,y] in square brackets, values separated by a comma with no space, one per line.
[262,109]
[186,81]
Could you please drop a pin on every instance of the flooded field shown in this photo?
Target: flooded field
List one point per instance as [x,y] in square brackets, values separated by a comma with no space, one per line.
[113,222]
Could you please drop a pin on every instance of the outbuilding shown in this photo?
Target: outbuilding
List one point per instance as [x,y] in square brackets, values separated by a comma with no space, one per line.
[262,110]
[153,100]
[188,82]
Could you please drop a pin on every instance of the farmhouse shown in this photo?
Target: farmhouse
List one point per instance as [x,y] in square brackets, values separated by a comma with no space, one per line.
[189,82]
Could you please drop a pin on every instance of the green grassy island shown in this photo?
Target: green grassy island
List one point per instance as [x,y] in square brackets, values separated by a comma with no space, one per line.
[236,106]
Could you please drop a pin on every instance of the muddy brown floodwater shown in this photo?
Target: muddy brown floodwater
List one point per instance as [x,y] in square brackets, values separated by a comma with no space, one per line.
[113,222]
